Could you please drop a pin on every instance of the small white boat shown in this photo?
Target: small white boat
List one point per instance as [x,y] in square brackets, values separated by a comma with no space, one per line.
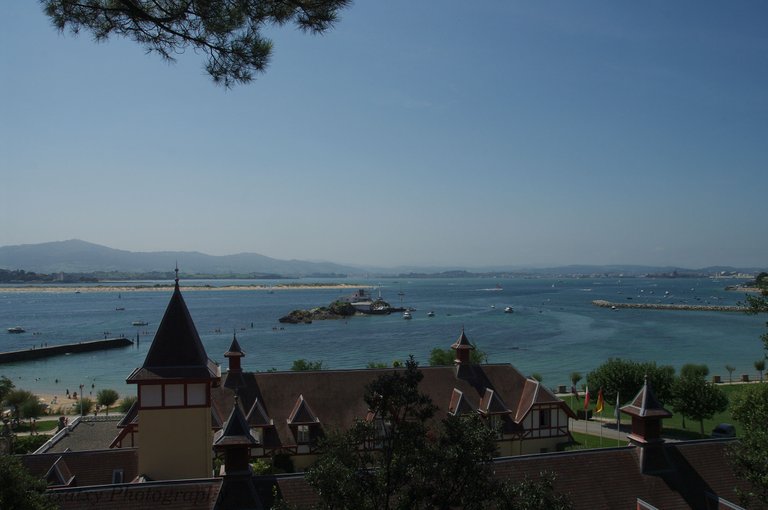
[430,314]
[508,310]
[140,323]
[16,329]
[120,308]
[407,315]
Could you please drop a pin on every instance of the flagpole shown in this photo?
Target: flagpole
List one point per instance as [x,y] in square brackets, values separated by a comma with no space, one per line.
[618,421]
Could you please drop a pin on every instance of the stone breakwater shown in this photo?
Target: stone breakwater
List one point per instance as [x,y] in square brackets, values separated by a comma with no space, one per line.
[662,306]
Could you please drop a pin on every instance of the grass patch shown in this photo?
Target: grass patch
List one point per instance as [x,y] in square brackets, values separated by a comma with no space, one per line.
[672,427]
[40,426]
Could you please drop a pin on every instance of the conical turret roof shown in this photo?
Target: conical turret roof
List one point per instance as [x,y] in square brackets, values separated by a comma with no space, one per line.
[463,342]
[235,431]
[176,351]
[645,404]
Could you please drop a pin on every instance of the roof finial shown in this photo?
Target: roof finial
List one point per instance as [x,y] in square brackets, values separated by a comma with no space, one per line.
[177,273]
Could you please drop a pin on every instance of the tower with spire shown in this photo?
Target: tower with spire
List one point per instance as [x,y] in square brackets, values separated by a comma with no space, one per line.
[174,398]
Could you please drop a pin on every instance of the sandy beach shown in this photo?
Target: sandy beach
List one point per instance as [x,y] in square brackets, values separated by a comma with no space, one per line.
[166,288]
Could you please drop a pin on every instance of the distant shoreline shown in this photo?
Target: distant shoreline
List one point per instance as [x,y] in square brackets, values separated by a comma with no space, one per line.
[184,288]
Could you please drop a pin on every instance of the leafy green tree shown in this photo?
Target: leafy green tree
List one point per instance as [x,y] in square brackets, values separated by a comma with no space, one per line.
[730,369]
[126,403]
[16,399]
[302,365]
[750,410]
[627,377]
[31,409]
[696,398]
[229,34]
[575,378]
[83,406]
[399,460]
[106,398]
[442,357]
[19,489]
[537,376]
[6,385]
[692,370]
[760,367]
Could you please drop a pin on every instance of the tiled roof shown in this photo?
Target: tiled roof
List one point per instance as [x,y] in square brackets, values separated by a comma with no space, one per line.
[199,494]
[645,404]
[600,479]
[336,396]
[86,433]
[463,342]
[235,431]
[176,351]
[93,467]
[234,349]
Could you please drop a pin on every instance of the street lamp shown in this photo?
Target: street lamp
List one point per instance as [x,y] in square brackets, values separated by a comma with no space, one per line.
[81,400]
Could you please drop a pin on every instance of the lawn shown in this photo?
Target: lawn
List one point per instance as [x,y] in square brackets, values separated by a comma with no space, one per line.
[40,426]
[673,427]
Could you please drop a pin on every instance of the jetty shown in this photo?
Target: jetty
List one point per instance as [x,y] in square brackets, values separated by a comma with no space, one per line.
[57,350]
[664,306]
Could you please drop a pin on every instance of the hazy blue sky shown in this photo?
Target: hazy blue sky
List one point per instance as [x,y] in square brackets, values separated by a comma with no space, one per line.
[415,132]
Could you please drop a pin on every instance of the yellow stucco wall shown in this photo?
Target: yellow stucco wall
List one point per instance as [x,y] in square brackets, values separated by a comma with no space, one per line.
[175,443]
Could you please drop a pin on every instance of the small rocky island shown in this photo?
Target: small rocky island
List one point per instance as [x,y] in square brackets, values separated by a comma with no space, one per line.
[359,303]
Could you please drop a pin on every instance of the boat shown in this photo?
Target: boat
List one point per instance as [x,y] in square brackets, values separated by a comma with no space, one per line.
[120,308]
[140,323]
[407,315]
[430,314]
[16,329]
[508,310]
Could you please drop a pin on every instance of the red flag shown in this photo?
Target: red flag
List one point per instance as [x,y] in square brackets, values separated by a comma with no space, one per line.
[586,398]
[599,404]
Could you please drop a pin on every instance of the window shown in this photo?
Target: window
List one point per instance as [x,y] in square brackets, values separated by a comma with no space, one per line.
[117,476]
[258,434]
[196,395]
[151,395]
[544,418]
[496,425]
[302,435]
[174,394]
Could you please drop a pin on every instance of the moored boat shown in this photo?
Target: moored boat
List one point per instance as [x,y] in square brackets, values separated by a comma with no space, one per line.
[407,315]
[16,329]
[140,323]
[508,309]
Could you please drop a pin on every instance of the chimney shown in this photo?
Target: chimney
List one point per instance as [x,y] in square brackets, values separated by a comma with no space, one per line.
[647,412]
[233,354]
[462,348]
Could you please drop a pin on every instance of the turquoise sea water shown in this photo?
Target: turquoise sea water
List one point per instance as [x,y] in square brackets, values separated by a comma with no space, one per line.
[554,329]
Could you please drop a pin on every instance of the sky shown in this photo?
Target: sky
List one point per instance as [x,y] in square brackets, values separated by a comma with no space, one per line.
[416,132]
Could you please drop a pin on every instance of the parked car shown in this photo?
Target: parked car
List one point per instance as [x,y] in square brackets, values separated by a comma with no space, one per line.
[724,430]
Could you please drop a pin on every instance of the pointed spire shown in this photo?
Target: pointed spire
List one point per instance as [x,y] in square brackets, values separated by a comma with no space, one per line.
[233,354]
[462,346]
[177,274]
[176,351]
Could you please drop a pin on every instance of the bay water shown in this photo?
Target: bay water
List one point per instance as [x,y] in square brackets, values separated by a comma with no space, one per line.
[554,330]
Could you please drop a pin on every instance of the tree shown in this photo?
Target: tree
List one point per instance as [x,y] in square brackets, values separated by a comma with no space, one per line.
[750,410]
[575,378]
[302,365]
[6,385]
[83,406]
[127,403]
[627,377]
[730,369]
[229,34]
[17,398]
[760,367]
[443,357]
[400,459]
[31,409]
[692,370]
[696,398]
[106,398]
[19,489]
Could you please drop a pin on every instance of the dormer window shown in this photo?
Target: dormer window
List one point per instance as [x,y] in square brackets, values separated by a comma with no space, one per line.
[302,434]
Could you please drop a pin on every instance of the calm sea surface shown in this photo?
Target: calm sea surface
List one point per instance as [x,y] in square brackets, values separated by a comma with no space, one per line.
[554,329]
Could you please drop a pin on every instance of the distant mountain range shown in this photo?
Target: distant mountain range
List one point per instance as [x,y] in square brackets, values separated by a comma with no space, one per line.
[75,256]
